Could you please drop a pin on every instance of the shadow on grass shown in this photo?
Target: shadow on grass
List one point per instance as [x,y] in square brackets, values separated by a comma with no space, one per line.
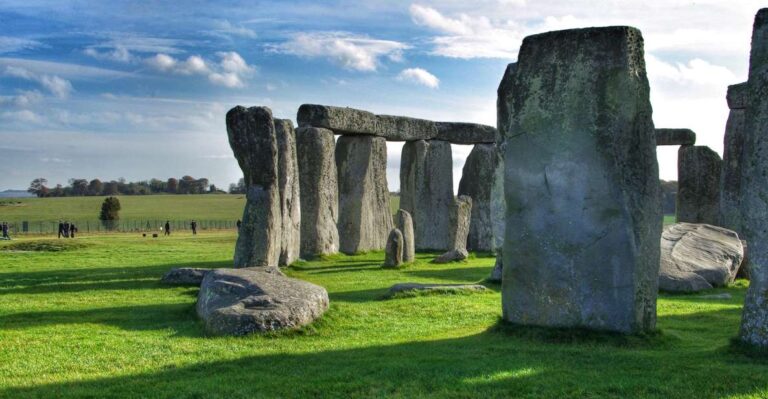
[500,362]
[468,274]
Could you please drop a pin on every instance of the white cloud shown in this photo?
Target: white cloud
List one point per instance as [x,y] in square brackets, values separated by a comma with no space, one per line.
[469,36]
[231,70]
[59,87]
[359,53]
[161,62]
[10,44]
[193,65]
[227,28]
[233,62]
[64,70]
[24,116]
[118,54]
[227,79]
[419,76]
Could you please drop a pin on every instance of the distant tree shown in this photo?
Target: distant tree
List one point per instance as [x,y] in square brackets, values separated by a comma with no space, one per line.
[212,188]
[238,188]
[110,212]
[57,191]
[95,187]
[79,187]
[172,186]
[158,186]
[38,188]
[110,188]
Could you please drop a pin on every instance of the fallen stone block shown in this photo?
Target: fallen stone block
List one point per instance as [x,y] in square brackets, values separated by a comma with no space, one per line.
[438,288]
[191,276]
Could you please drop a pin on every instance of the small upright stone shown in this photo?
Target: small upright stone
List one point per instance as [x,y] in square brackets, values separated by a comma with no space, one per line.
[319,191]
[405,225]
[288,176]
[460,216]
[253,140]
[394,250]
[582,184]
[698,192]
[365,218]
[477,181]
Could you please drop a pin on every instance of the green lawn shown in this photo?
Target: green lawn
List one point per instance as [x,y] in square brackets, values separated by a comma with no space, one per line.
[95,322]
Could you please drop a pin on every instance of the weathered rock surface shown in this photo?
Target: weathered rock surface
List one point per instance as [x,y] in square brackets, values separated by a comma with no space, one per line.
[459,218]
[582,188]
[253,140]
[696,257]
[730,182]
[244,301]
[288,180]
[319,191]
[675,137]
[698,185]
[405,225]
[393,254]
[444,288]
[426,191]
[365,218]
[496,272]
[191,276]
[477,180]
[754,187]
[498,199]
[453,255]
[465,133]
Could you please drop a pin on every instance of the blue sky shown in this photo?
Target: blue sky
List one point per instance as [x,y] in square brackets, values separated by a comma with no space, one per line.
[140,89]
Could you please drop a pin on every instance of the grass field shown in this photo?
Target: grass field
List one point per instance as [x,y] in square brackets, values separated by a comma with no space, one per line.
[93,321]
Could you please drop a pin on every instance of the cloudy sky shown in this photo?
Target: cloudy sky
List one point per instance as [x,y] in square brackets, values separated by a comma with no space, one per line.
[140,89]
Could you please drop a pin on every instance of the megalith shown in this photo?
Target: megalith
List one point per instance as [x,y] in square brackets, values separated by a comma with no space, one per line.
[253,140]
[365,218]
[318,191]
[426,191]
[582,184]
[459,219]
[288,181]
[477,183]
[733,145]
[405,225]
[754,187]
[698,185]
[675,137]
[393,253]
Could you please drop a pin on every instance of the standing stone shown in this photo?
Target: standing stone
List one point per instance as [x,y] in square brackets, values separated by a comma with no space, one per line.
[733,144]
[754,187]
[393,254]
[288,178]
[582,184]
[405,225]
[477,181]
[426,191]
[253,140]
[698,192]
[460,216]
[365,218]
[319,191]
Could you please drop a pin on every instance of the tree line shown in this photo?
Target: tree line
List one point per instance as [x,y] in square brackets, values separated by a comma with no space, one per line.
[96,187]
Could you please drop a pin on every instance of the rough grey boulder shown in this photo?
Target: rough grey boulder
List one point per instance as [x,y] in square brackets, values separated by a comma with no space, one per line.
[436,288]
[253,140]
[350,121]
[465,133]
[498,200]
[393,254]
[477,180]
[675,137]
[453,255]
[288,180]
[426,191]
[319,191]
[459,218]
[244,301]
[696,257]
[754,187]
[730,182]
[698,185]
[191,276]
[496,272]
[365,218]
[405,225]
[582,184]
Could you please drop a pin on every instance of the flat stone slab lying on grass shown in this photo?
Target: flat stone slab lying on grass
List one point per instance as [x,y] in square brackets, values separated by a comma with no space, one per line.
[192,276]
[257,300]
[439,288]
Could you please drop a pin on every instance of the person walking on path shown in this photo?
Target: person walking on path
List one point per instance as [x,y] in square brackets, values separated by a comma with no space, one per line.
[66,229]
[167,227]
[193,225]
[72,230]
[61,228]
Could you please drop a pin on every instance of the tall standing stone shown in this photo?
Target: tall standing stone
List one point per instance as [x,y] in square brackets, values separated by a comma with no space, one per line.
[582,184]
[253,140]
[288,180]
[365,218]
[460,217]
[698,186]
[477,181]
[426,190]
[405,225]
[754,187]
[733,144]
[319,191]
